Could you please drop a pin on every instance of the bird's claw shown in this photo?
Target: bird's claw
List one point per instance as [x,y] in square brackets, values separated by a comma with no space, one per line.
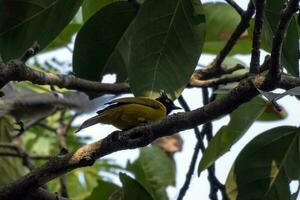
[21,129]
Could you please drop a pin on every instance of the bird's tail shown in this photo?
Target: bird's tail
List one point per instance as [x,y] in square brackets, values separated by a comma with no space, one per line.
[89,122]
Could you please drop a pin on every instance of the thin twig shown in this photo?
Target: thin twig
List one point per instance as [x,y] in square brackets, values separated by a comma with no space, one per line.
[26,160]
[207,129]
[209,71]
[30,52]
[199,145]
[259,18]
[32,157]
[215,184]
[47,127]
[190,172]
[61,133]
[195,82]
[283,24]
[240,29]
[236,7]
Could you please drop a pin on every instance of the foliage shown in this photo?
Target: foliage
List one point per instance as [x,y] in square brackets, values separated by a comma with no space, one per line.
[271,161]
[154,46]
[240,121]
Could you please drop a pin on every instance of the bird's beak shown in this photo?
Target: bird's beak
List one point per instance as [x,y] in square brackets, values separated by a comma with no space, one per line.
[175,107]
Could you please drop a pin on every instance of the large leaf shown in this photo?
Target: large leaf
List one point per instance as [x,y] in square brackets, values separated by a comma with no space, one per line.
[166,44]
[90,7]
[98,43]
[221,20]
[154,170]
[65,37]
[132,189]
[290,49]
[240,121]
[103,190]
[266,165]
[23,22]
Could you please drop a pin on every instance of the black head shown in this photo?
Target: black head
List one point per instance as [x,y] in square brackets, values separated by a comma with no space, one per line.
[168,103]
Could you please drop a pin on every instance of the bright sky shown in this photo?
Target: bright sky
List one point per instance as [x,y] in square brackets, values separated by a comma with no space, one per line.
[199,187]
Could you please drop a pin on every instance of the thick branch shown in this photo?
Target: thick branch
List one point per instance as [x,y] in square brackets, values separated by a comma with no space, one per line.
[140,136]
[284,21]
[288,82]
[16,70]
[134,138]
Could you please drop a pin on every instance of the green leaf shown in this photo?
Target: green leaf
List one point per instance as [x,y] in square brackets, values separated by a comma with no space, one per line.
[240,121]
[97,45]
[154,170]
[133,190]
[266,165]
[11,167]
[221,21]
[81,183]
[103,190]
[272,113]
[231,62]
[290,49]
[166,44]
[65,37]
[23,22]
[271,96]
[90,7]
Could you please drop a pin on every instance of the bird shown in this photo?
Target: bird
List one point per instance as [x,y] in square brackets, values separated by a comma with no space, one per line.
[128,112]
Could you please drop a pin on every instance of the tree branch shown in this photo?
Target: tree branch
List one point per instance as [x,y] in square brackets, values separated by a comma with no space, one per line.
[190,172]
[32,157]
[195,82]
[136,137]
[199,145]
[17,70]
[240,29]
[209,71]
[42,194]
[288,82]
[26,160]
[255,55]
[237,8]
[283,24]
[144,134]
[30,52]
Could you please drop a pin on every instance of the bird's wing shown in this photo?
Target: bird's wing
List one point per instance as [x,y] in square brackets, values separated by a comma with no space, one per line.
[146,101]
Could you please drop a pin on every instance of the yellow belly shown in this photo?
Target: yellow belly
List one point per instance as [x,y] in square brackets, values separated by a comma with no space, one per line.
[130,115]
